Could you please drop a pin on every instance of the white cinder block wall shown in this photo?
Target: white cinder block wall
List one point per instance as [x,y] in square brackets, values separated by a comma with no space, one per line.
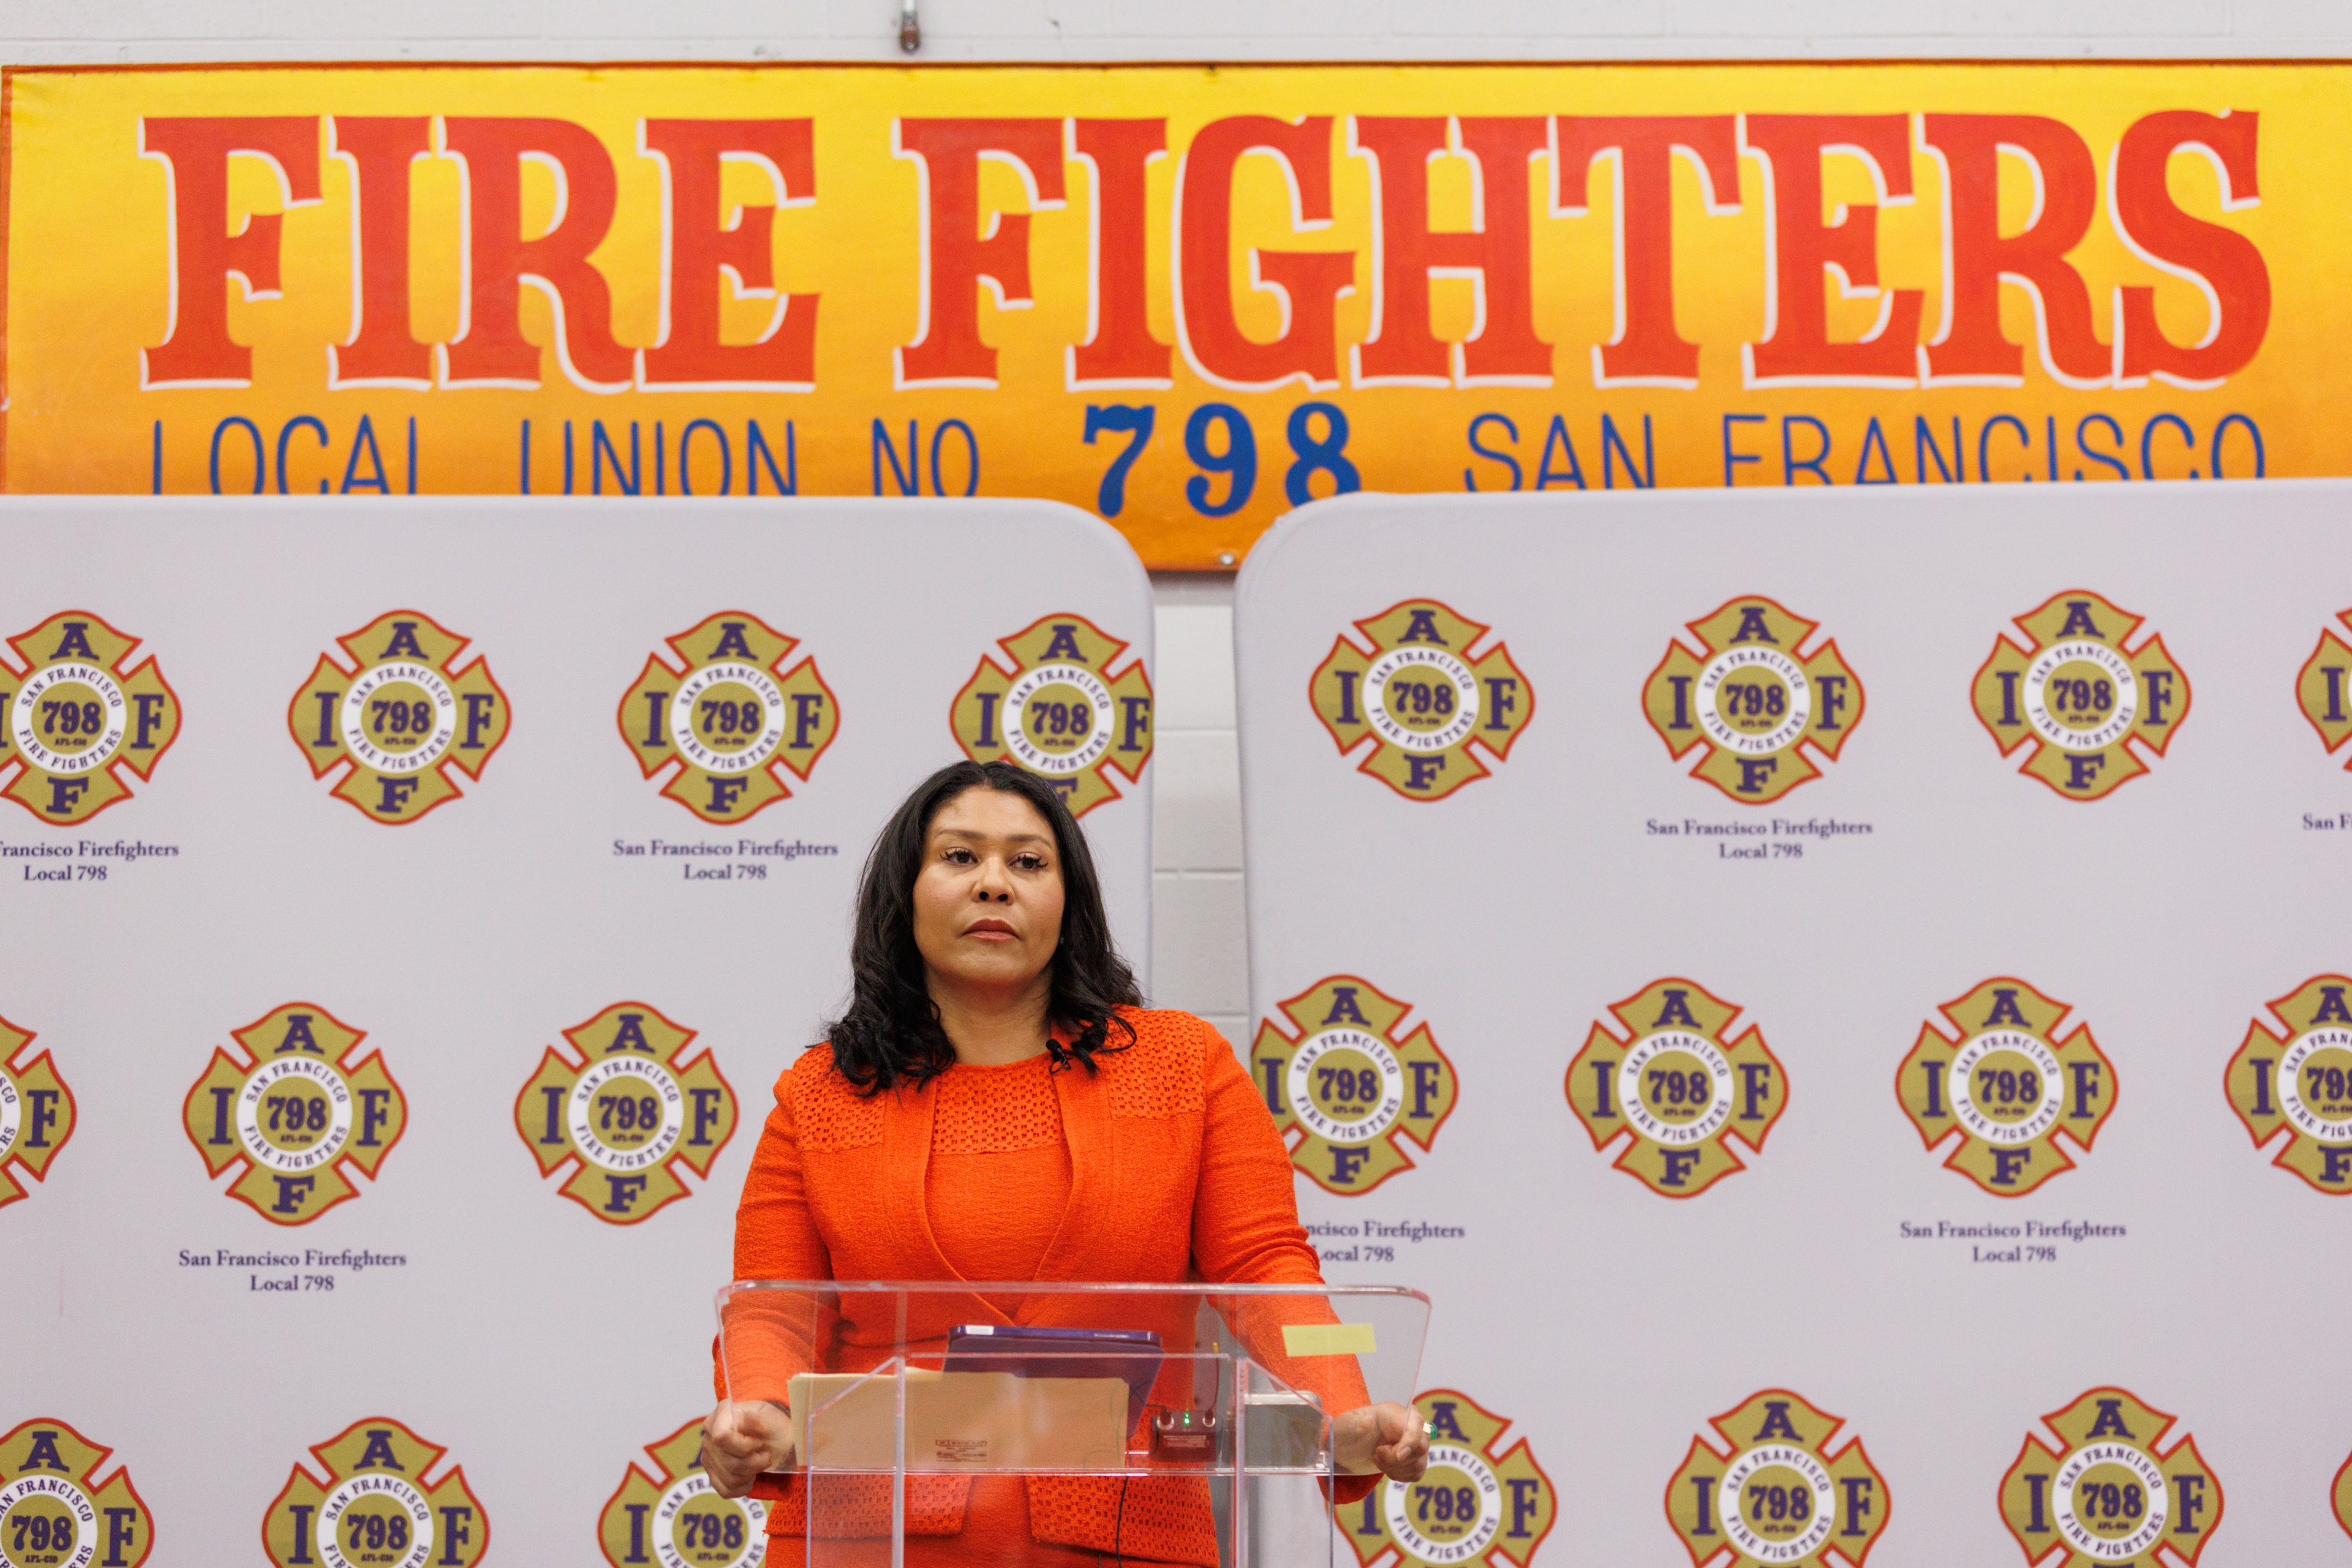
[1200,958]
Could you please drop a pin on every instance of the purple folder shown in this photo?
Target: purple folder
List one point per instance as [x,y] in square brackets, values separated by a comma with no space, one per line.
[1132,1355]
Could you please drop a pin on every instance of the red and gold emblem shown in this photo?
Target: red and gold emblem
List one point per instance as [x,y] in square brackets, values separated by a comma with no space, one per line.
[373,1503]
[1480,1502]
[732,719]
[2009,1084]
[1063,709]
[2298,1079]
[79,717]
[36,1114]
[1346,1089]
[626,1111]
[399,718]
[1673,1083]
[1430,703]
[2107,1492]
[2086,704]
[1775,1492]
[1758,707]
[672,1517]
[2323,689]
[54,1509]
[295,1110]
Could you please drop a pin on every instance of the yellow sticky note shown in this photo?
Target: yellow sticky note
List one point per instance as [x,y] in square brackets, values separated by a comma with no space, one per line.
[1328,1338]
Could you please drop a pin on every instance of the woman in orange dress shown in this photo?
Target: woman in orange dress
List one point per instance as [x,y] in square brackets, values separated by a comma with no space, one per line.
[997,1105]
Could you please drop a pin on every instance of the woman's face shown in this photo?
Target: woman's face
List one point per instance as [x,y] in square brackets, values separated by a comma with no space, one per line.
[988,901]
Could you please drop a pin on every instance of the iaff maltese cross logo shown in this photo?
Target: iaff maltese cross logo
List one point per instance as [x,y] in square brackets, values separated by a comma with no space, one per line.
[2009,1084]
[1479,1502]
[375,1505]
[1762,707]
[1059,711]
[2107,1492]
[732,720]
[295,1110]
[628,1110]
[2320,690]
[36,1114]
[2300,1080]
[1427,706]
[1776,1492]
[400,718]
[77,720]
[55,1510]
[1343,1083]
[1676,1088]
[2340,1494]
[2087,705]
[673,1518]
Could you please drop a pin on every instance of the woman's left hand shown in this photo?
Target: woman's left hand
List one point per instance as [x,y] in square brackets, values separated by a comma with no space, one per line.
[1388,1438]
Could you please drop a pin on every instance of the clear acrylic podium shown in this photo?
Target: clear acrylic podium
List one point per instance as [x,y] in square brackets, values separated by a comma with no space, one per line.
[1140,1424]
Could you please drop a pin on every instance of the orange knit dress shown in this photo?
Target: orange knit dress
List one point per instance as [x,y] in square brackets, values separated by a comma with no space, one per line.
[1161,1165]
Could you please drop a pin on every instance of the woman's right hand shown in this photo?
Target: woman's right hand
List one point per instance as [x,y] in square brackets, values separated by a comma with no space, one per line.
[741,1441]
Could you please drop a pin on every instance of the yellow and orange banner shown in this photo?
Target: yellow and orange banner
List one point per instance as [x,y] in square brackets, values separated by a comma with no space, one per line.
[1185,298]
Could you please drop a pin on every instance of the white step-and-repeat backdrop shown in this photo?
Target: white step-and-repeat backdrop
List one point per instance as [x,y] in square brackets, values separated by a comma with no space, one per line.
[405,911]
[1844,1001]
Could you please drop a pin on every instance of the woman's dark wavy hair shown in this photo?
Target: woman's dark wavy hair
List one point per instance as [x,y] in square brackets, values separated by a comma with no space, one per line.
[891,1032]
